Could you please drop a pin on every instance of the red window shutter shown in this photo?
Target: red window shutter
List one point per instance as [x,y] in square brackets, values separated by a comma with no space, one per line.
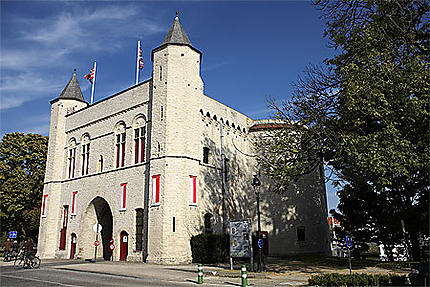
[122,153]
[142,149]
[74,194]
[136,150]
[194,189]
[157,194]
[124,196]
[44,204]
[117,155]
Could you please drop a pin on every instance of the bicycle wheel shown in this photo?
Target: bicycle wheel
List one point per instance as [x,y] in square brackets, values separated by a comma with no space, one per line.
[19,263]
[35,263]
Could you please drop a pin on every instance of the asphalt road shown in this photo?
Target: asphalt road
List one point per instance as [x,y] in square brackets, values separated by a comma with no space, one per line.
[52,276]
[104,273]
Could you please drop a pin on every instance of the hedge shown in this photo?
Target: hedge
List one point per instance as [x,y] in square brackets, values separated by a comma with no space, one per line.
[210,248]
[336,279]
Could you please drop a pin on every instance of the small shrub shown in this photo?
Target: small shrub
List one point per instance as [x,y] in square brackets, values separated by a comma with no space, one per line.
[335,279]
[210,248]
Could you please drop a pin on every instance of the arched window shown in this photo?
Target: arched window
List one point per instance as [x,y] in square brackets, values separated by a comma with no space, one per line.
[208,114]
[227,123]
[215,118]
[233,125]
[208,223]
[201,111]
[85,156]
[120,144]
[71,158]
[139,126]
[139,229]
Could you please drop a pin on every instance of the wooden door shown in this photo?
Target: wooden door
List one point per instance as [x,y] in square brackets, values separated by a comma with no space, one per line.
[123,246]
[63,231]
[73,246]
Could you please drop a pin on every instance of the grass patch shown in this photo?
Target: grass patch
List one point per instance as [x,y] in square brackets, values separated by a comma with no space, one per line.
[339,262]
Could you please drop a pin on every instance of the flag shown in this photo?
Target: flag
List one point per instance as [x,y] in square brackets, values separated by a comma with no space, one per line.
[90,75]
[140,57]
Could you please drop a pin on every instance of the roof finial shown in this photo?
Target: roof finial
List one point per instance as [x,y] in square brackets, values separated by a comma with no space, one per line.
[74,71]
[177,17]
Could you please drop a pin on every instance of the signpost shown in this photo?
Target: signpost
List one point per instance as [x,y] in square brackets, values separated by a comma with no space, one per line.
[349,245]
[13,234]
[97,228]
[240,240]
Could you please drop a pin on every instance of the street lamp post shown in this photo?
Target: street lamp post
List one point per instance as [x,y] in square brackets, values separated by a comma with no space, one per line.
[256,184]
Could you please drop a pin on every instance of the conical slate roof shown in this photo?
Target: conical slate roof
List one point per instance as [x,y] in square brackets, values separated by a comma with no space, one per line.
[72,90]
[176,34]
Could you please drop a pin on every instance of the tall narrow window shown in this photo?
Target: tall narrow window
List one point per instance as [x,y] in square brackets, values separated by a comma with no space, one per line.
[74,202]
[161,112]
[85,154]
[161,73]
[193,190]
[123,204]
[156,189]
[174,224]
[205,155]
[71,158]
[139,229]
[100,167]
[301,233]
[72,162]
[44,204]
[139,144]
[120,144]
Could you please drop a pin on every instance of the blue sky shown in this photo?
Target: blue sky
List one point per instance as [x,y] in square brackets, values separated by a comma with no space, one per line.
[251,50]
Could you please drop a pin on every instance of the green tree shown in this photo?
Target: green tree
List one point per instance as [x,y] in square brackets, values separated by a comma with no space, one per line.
[22,170]
[365,114]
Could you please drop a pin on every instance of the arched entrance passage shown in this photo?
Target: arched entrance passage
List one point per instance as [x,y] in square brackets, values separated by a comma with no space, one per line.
[73,246]
[104,217]
[98,211]
[123,249]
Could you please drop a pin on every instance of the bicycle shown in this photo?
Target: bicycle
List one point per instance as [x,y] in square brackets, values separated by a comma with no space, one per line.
[19,259]
[24,260]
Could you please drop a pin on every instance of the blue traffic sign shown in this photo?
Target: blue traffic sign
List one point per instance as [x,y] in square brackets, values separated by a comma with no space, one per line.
[260,243]
[13,234]
[348,241]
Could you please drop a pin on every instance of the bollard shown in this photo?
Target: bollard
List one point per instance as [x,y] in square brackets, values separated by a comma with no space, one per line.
[244,276]
[200,276]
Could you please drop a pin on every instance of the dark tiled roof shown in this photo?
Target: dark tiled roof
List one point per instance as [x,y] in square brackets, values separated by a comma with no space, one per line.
[176,35]
[72,90]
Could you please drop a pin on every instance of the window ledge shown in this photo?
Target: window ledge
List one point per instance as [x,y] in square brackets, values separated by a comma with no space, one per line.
[155,204]
[193,204]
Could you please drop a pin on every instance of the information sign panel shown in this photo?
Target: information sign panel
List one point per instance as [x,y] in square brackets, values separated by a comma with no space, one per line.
[13,234]
[240,238]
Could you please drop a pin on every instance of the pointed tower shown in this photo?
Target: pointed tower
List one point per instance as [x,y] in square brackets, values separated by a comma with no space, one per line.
[70,100]
[177,91]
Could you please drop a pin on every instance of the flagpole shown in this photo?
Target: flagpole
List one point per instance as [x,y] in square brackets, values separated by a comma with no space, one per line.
[137,62]
[94,83]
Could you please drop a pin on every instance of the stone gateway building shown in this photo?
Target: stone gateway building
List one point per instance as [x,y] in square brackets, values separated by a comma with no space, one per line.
[146,165]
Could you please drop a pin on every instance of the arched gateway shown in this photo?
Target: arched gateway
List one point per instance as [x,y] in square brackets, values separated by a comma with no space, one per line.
[98,211]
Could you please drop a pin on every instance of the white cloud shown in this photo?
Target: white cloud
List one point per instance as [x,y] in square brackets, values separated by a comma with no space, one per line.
[40,47]
[90,30]
[24,87]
